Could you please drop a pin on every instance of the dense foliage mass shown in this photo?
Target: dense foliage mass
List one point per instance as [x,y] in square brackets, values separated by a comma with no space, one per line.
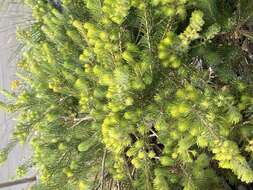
[137,94]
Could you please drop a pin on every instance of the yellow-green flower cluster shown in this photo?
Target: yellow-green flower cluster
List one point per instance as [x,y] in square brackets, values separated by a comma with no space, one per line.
[116,139]
[167,53]
[171,7]
[102,43]
[212,31]
[229,157]
[160,181]
[116,10]
[192,31]
[53,25]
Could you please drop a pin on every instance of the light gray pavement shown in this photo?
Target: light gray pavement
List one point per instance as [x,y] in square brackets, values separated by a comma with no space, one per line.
[9,17]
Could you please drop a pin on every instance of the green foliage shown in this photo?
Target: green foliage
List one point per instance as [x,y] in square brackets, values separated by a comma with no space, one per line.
[5,151]
[3,156]
[136,94]
[209,7]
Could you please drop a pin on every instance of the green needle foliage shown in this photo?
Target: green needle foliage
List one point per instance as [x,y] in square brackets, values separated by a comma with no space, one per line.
[140,94]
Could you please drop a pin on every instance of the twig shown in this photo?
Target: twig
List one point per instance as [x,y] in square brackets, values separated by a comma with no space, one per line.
[118,186]
[168,27]
[129,174]
[110,184]
[19,181]
[147,30]
[120,40]
[103,169]
[81,120]
[95,179]
[154,133]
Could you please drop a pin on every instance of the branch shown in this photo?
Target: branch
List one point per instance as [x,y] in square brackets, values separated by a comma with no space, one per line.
[17,182]
[103,170]
[147,29]
[88,118]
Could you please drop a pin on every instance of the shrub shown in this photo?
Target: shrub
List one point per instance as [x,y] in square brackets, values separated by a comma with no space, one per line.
[137,94]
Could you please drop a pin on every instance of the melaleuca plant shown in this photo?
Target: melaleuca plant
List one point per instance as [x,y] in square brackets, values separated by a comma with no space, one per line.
[152,95]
